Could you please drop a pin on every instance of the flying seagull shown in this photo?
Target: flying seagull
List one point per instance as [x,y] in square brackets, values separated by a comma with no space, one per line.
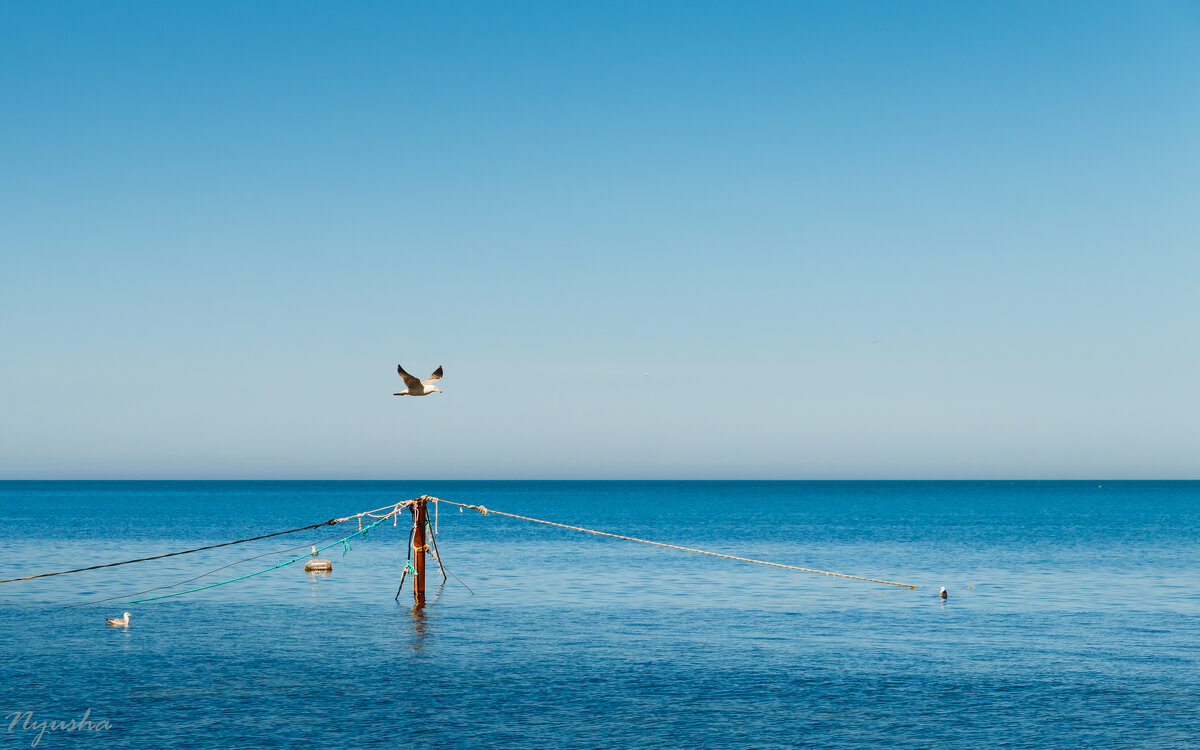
[419,387]
[116,621]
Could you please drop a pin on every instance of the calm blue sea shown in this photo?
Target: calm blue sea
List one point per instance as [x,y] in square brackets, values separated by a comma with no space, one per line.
[1073,619]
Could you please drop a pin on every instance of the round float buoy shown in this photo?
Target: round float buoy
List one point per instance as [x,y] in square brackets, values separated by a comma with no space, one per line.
[318,566]
[942,593]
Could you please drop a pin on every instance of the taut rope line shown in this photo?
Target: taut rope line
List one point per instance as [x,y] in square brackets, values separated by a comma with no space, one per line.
[173,554]
[341,541]
[203,575]
[487,511]
[371,513]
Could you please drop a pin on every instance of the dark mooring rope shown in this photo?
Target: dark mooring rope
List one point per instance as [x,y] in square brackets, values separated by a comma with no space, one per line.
[203,575]
[172,554]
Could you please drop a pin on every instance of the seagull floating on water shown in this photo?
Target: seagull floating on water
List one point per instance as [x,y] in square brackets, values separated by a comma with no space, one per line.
[943,593]
[419,387]
[121,622]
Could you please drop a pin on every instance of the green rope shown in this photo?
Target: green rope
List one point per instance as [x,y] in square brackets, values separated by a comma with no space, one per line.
[341,541]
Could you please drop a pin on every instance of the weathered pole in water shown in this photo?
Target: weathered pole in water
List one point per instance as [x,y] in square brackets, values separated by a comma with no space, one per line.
[419,547]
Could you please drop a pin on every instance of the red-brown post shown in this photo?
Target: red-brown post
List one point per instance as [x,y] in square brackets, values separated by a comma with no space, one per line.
[419,510]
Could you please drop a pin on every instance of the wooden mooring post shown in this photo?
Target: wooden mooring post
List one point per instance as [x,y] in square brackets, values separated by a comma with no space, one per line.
[421,515]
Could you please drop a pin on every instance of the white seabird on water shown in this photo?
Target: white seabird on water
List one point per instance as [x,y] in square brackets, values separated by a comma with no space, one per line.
[943,593]
[121,622]
[419,387]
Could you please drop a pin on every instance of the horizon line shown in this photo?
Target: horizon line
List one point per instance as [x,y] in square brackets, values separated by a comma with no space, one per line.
[609,479]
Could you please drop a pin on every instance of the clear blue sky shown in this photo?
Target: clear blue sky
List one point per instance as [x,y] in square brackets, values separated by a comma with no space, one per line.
[677,240]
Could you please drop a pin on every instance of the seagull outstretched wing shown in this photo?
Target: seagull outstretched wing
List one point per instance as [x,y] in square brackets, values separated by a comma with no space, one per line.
[436,376]
[412,383]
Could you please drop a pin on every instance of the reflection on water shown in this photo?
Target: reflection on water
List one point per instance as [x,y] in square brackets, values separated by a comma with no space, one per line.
[437,595]
[315,578]
[420,621]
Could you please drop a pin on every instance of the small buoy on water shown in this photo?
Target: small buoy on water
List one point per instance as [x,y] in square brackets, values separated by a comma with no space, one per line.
[317,566]
[943,593]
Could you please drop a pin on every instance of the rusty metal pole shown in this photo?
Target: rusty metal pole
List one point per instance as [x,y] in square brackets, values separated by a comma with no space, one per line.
[420,511]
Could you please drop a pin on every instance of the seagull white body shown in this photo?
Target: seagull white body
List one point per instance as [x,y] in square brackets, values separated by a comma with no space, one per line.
[419,387]
[121,622]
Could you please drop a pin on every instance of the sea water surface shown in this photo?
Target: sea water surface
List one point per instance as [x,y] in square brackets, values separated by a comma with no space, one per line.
[1073,617]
